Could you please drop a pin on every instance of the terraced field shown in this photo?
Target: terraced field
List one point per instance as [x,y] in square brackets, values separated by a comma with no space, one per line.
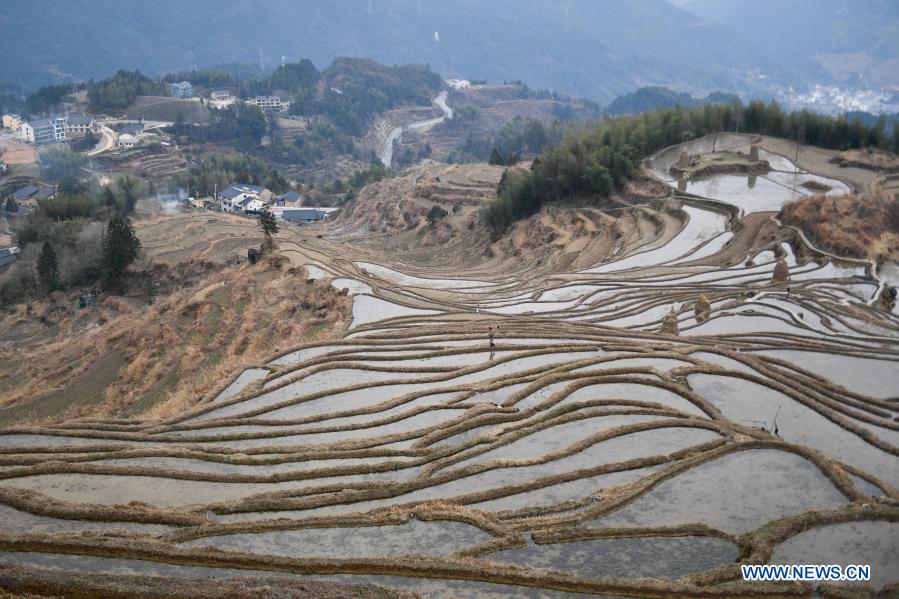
[640,428]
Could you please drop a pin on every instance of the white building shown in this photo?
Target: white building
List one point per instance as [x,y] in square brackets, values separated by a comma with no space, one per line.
[44,131]
[232,198]
[127,140]
[251,205]
[221,98]
[269,103]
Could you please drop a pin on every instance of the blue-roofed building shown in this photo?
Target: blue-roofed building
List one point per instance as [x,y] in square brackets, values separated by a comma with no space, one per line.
[181,90]
[45,193]
[301,215]
[231,197]
[291,198]
[44,130]
[34,192]
[8,256]
[79,125]
[23,193]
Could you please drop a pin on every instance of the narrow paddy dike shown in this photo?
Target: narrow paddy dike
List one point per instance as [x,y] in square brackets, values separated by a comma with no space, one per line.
[640,427]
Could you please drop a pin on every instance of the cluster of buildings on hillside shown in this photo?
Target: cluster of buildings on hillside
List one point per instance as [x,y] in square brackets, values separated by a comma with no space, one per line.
[242,198]
[50,130]
[61,128]
[222,98]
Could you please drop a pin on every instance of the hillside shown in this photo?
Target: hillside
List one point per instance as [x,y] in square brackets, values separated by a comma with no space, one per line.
[126,356]
[631,44]
[653,98]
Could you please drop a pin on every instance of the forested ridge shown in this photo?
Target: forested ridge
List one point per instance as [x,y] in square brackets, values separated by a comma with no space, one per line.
[593,164]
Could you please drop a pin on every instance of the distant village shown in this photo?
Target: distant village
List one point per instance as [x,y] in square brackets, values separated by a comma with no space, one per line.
[120,133]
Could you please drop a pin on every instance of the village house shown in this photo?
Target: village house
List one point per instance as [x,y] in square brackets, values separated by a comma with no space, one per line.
[44,130]
[291,198]
[126,140]
[33,193]
[300,215]
[8,255]
[231,198]
[79,125]
[181,90]
[221,99]
[269,103]
[13,122]
[251,205]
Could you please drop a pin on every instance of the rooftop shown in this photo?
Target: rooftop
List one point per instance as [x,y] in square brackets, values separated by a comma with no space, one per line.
[80,119]
[290,196]
[45,192]
[26,192]
[302,214]
[235,189]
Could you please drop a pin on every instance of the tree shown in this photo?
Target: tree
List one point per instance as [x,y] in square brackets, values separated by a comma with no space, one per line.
[60,162]
[495,158]
[178,127]
[435,213]
[48,267]
[276,182]
[129,188]
[269,226]
[11,205]
[268,223]
[120,248]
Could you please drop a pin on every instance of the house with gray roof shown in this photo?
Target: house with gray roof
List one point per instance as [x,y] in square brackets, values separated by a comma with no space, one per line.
[231,197]
[301,215]
[44,130]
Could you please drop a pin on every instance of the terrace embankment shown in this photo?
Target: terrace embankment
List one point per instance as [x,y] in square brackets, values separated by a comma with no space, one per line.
[632,399]
[187,322]
[858,226]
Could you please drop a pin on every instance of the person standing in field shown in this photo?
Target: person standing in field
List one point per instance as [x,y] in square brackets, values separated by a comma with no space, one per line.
[492,335]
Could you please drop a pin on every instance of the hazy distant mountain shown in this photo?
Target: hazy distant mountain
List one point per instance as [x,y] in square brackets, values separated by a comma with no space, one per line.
[594,48]
[846,42]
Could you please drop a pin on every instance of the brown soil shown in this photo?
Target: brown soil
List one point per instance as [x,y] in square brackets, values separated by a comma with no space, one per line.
[123,356]
[877,160]
[33,582]
[164,108]
[854,226]
[721,163]
[18,152]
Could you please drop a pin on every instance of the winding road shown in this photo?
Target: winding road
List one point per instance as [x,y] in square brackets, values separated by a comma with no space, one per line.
[386,152]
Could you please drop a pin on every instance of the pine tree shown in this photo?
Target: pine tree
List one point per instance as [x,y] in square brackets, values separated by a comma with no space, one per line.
[129,188]
[495,158]
[268,223]
[48,267]
[269,226]
[120,249]
[11,205]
